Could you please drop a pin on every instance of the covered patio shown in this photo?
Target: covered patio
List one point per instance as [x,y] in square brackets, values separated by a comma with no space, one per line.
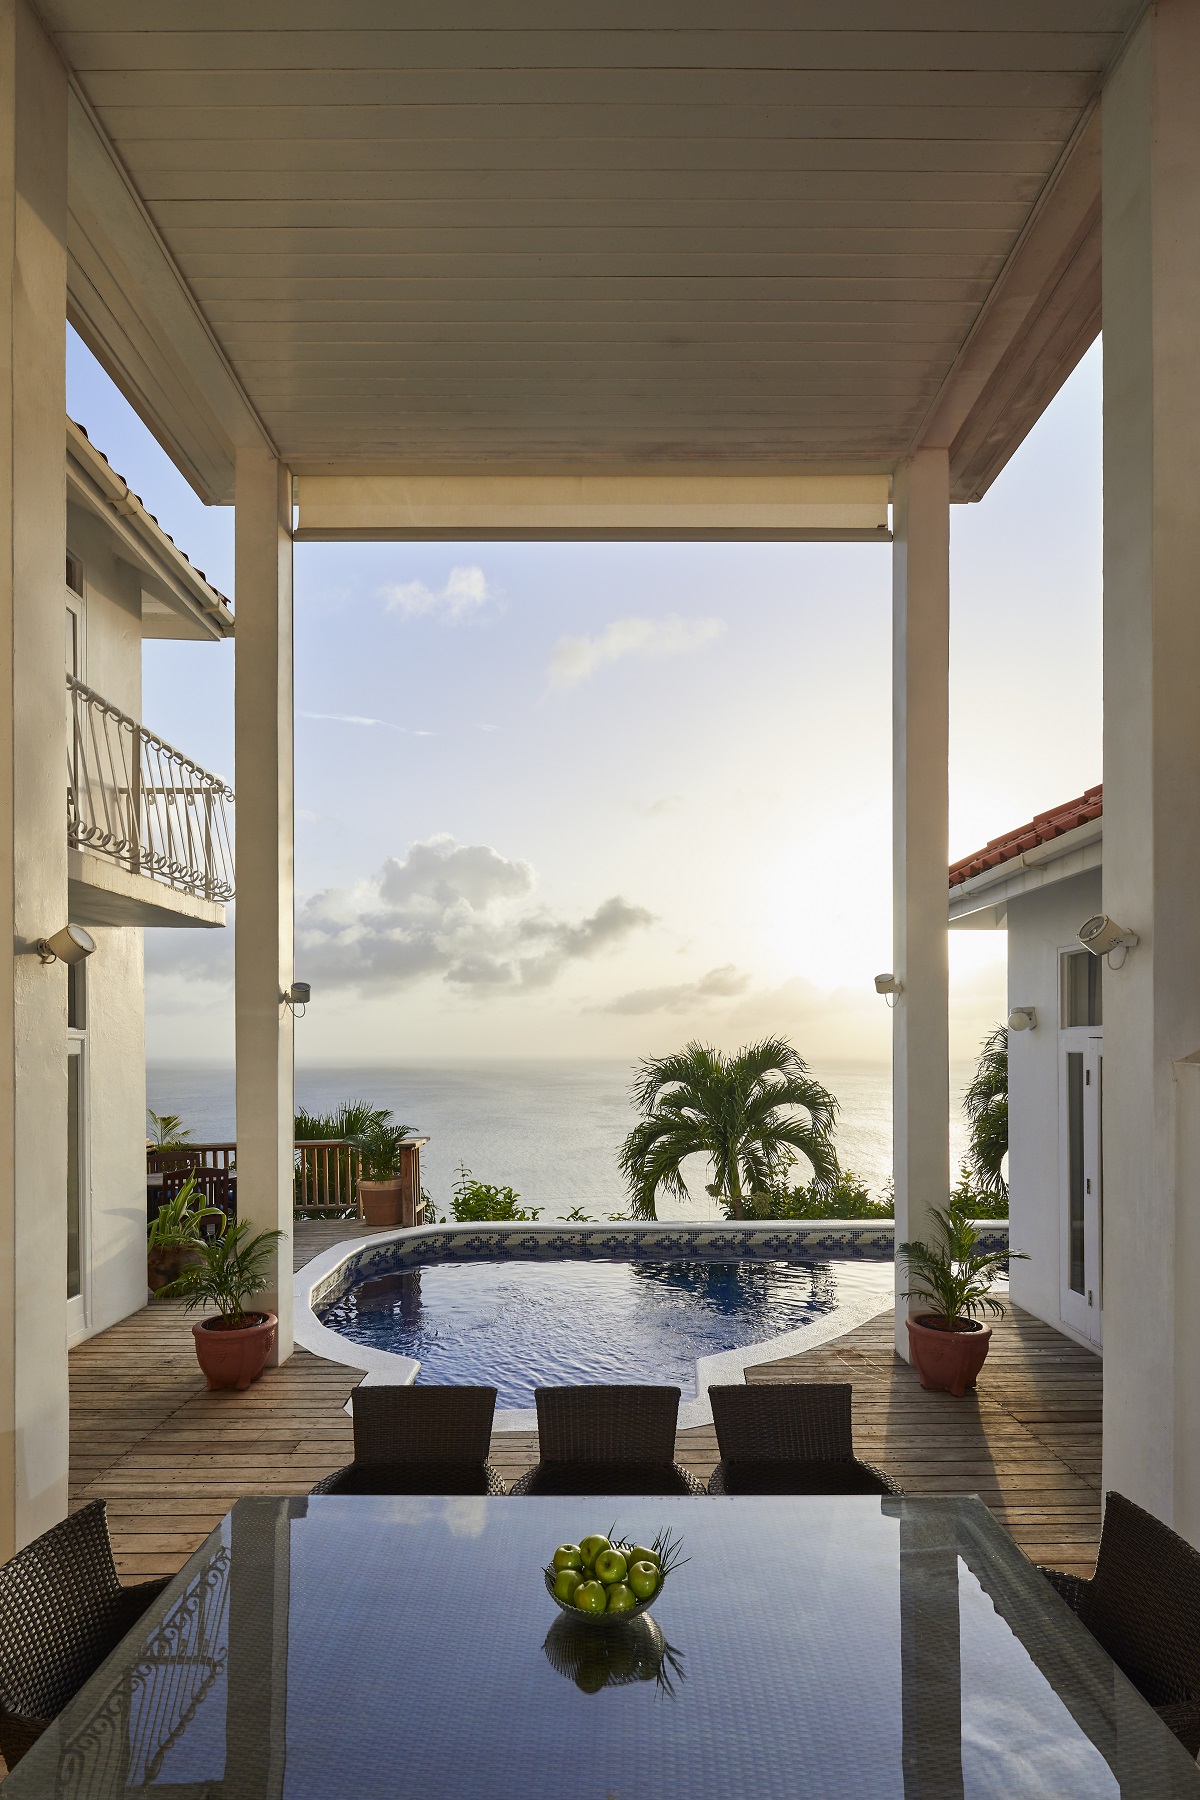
[810,276]
[171,1458]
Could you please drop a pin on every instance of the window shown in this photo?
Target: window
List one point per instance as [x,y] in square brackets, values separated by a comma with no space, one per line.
[1081,980]
[1076,1179]
[77,996]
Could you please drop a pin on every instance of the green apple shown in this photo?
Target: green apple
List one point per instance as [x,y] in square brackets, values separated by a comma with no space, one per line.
[568,1556]
[621,1598]
[643,1579]
[610,1566]
[565,1583]
[590,1548]
[590,1597]
[639,1553]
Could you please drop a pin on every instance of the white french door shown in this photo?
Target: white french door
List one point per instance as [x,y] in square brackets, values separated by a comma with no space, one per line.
[1081,1092]
[77,1190]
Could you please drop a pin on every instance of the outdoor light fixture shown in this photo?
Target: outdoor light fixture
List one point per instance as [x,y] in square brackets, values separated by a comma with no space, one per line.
[70,945]
[1103,937]
[889,987]
[297,996]
[1023,1018]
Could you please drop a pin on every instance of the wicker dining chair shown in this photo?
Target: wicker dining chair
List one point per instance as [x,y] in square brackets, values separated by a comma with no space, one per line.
[62,1610]
[789,1437]
[607,1440]
[1143,1606]
[419,1440]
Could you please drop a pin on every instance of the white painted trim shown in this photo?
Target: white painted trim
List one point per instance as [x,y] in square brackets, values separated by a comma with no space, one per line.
[1074,853]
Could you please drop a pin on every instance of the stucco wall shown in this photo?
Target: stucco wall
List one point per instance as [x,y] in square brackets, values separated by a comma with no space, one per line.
[1040,924]
[116,1056]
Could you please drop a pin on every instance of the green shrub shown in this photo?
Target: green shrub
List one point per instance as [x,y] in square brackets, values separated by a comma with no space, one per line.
[967,1199]
[478,1202]
[844,1196]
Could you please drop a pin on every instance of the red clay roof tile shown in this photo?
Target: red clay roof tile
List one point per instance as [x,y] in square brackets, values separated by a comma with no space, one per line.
[1040,830]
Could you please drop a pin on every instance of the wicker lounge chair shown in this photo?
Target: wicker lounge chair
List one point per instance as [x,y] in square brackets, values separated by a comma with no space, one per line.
[789,1437]
[62,1609]
[419,1440]
[1143,1606]
[607,1440]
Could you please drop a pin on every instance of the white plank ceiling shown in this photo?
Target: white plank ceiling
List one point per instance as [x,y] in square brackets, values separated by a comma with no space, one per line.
[422,242]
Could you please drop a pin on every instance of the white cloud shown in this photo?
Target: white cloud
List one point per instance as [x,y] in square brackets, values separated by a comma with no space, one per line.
[361,719]
[465,592]
[458,911]
[725,983]
[573,659]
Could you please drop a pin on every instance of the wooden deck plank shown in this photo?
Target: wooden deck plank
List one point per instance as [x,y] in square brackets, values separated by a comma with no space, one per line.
[171,1458]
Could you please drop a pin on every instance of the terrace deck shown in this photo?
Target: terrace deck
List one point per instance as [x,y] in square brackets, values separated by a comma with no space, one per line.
[171,1458]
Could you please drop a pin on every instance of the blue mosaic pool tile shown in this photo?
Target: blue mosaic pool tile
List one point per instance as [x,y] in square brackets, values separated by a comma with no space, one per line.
[725,1242]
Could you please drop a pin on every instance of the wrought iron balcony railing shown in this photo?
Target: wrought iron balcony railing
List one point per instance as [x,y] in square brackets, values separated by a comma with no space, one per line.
[135,799]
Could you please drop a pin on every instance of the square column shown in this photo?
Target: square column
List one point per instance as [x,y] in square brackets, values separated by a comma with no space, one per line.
[263,726]
[33,742]
[920,847]
[1152,766]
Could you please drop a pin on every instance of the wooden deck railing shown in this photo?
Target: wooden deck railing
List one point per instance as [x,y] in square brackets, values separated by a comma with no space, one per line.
[325,1183]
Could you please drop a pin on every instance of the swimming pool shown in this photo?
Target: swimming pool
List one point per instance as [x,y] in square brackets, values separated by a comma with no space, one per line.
[517,1325]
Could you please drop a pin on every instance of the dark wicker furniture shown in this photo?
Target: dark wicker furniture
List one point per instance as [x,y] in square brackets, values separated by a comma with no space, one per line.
[607,1440]
[789,1437]
[1143,1607]
[62,1610]
[419,1440]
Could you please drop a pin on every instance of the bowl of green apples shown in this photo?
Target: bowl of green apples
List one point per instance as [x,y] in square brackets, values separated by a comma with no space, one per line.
[607,1580]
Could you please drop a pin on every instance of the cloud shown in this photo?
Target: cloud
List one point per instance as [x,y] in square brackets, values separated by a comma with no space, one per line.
[725,983]
[456,911]
[360,719]
[466,591]
[573,659]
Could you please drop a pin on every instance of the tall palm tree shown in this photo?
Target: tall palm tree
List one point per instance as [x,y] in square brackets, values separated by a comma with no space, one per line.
[986,1106]
[748,1113]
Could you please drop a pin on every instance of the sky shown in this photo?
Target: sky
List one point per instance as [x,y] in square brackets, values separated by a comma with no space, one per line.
[592,800]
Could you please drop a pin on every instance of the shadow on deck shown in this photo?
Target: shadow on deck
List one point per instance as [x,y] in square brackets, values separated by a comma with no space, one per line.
[171,1458]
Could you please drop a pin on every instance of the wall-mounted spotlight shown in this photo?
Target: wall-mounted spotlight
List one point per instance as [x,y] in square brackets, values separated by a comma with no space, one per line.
[889,987]
[70,945]
[1023,1018]
[296,998]
[1103,937]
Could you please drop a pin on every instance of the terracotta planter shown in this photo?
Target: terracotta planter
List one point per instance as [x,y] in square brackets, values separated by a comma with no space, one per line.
[234,1358]
[382,1202]
[948,1359]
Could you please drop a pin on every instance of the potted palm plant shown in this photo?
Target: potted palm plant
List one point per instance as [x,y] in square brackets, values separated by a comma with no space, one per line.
[175,1233]
[229,1270]
[955,1275]
[383,1190]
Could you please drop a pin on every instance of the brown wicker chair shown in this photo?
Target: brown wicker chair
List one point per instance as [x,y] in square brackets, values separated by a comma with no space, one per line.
[62,1610]
[419,1440]
[607,1440]
[789,1437]
[1143,1607]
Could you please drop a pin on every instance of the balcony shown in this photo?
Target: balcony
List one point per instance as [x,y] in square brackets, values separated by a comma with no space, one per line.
[149,832]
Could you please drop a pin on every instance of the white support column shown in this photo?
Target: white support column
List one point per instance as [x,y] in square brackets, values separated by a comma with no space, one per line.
[33,821]
[263,929]
[920,846]
[1152,764]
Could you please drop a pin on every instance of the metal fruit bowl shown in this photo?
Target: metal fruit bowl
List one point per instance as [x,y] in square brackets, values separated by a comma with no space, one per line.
[604,1621]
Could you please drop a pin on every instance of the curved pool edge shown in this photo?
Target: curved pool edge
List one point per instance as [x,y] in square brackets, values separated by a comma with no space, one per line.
[847,1242]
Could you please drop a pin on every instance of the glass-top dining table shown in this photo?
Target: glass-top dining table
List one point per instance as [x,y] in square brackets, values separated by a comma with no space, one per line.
[355,1648]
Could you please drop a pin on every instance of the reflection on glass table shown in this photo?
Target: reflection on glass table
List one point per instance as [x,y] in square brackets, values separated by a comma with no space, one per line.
[821,1646]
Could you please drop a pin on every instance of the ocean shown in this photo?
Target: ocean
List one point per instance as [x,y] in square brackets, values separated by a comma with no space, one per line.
[551,1130]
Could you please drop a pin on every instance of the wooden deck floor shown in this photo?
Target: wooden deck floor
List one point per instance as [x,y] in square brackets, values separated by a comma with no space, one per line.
[171,1458]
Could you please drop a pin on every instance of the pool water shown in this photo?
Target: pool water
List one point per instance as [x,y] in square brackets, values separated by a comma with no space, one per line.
[520,1325]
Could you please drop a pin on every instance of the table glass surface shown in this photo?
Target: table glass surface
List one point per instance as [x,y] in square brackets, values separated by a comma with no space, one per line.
[841,1647]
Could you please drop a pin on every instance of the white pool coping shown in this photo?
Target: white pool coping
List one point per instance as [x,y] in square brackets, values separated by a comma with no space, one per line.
[866,1288]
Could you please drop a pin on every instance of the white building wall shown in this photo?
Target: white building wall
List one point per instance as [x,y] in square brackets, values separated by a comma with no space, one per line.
[1040,925]
[115,1071]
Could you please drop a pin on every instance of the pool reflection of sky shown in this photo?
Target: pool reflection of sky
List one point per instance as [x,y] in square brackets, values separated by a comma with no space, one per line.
[520,1325]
